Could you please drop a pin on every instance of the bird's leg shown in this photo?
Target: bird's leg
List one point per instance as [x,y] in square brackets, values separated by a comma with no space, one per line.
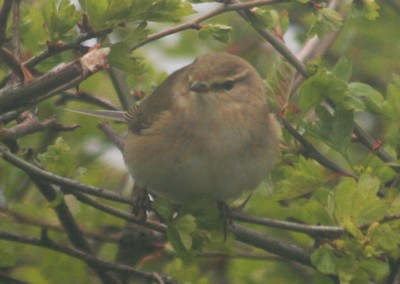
[226,216]
[141,204]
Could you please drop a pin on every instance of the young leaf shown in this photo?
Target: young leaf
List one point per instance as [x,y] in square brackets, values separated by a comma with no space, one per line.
[265,18]
[326,21]
[324,259]
[59,19]
[343,69]
[320,86]
[219,32]
[304,176]
[342,129]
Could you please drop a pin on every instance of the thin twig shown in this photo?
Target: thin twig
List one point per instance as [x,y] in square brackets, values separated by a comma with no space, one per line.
[195,23]
[29,221]
[62,181]
[117,213]
[316,231]
[271,245]
[54,50]
[4,13]
[121,88]
[70,226]
[85,97]
[312,152]
[16,34]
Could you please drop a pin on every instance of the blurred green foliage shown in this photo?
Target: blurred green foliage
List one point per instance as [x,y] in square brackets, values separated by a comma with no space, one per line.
[359,74]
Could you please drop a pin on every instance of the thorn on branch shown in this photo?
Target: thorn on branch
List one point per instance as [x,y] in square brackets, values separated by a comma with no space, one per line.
[28,123]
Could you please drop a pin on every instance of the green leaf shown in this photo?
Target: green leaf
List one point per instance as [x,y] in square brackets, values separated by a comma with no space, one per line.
[163,207]
[358,200]
[373,100]
[386,237]
[343,69]
[392,109]
[366,8]
[161,10]
[342,129]
[58,159]
[201,1]
[96,10]
[219,32]
[185,226]
[59,19]
[186,223]
[320,86]
[326,21]
[119,57]
[175,239]
[376,269]
[371,11]
[347,269]
[358,94]
[265,18]
[324,259]
[300,178]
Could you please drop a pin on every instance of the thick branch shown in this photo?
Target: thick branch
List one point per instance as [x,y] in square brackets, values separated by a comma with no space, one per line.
[53,82]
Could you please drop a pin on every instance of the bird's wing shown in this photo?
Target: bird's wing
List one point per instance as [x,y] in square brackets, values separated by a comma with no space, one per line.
[160,100]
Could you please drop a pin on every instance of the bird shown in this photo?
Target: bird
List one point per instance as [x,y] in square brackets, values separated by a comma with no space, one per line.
[207,131]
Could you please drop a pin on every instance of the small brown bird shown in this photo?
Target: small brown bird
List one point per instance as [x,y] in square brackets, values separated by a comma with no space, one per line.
[206,131]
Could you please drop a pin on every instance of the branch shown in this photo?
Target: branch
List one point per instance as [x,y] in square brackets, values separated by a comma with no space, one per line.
[312,152]
[315,231]
[121,88]
[85,97]
[53,82]
[115,212]
[4,12]
[54,50]
[16,34]
[62,181]
[69,224]
[111,134]
[272,245]
[28,124]
[44,226]
[47,243]
[7,279]
[195,23]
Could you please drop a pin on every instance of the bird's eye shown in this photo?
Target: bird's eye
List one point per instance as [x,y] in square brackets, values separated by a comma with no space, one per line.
[227,85]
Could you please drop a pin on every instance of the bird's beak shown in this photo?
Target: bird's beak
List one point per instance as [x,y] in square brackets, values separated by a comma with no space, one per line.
[199,87]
